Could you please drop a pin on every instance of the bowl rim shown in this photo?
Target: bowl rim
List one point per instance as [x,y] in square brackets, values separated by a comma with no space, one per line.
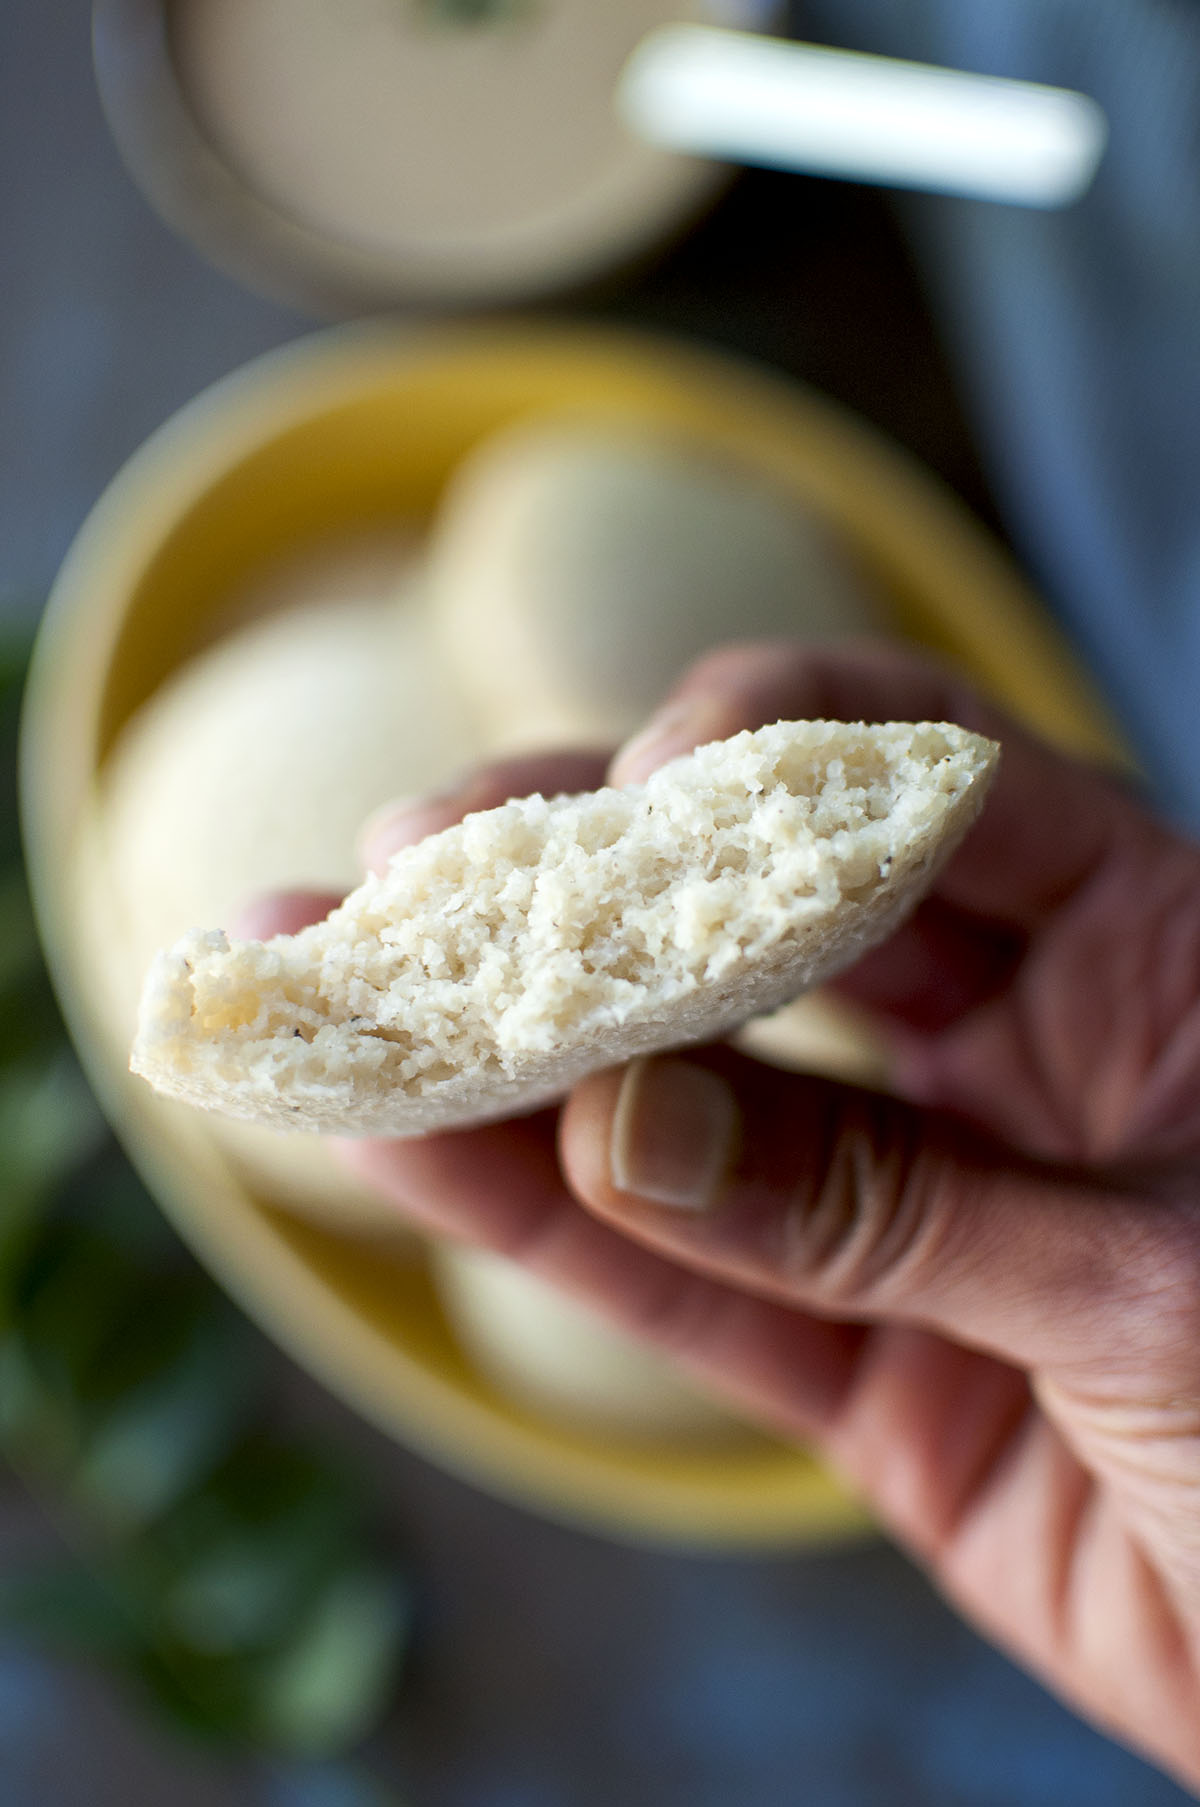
[779,1497]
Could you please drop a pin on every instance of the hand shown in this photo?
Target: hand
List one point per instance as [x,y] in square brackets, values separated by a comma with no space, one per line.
[980,1297]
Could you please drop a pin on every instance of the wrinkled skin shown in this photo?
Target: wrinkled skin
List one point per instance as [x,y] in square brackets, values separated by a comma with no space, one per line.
[980,1297]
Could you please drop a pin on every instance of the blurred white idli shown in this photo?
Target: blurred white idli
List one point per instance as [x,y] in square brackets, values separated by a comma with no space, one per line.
[563,1360]
[251,770]
[578,567]
[818,1033]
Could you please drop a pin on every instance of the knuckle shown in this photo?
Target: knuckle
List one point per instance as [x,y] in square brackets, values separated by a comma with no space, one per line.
[737,665]
[1161,1278]
[868,1217]
[523,774]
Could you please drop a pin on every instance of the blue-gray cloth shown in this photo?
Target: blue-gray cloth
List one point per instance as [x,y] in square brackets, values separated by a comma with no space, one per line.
[1077,337]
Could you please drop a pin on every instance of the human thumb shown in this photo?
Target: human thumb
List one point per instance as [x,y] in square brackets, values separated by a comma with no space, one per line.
[854,1205]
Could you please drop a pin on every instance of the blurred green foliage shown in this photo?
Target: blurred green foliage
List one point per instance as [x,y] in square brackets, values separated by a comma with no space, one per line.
[228,1571]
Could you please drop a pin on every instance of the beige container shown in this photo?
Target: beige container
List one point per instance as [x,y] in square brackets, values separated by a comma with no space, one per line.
[346,154]
[357,432]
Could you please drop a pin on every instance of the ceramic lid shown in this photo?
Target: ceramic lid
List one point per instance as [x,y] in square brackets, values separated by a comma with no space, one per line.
[345,155]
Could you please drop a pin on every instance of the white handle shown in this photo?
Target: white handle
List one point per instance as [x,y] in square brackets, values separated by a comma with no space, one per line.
[751,99]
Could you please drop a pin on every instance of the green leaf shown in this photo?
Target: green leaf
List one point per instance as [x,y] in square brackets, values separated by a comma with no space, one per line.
[203,1700]
[166,1436]
[68,1609]
[72,1295]
[336,1676]
[20,949]
[237,1597]
[113,1201]
[230,1575]
[49,1124]
[247,1554]
[15,648]
[166,1325]
[40,1431]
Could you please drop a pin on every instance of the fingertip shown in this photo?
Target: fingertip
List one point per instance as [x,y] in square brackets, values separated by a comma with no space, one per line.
[281,913]
[585,1137]
[745,683]
[398,1173]
[484,1184]
[396,1165]
[663,1131]
[403,822]
[681,725]
[360,1153]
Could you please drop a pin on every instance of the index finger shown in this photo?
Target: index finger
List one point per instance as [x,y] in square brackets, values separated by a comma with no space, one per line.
[1048,824]
[547,773]
[400,823]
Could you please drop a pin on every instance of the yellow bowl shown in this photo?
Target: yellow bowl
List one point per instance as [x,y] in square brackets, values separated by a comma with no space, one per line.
[359,429]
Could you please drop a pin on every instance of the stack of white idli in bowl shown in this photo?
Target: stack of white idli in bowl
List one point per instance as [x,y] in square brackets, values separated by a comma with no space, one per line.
[576,569]
[349,575]
[572,570]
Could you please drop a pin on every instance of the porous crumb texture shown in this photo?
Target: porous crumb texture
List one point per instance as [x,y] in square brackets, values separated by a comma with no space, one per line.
[495,964]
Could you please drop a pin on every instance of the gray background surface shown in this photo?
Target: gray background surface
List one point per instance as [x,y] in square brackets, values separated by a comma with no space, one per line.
[551,1668]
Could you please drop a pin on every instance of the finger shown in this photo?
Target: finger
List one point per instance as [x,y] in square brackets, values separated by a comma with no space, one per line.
[500,1187]
[1048,823]
[1092,1052]
[937,967]
[747,683]
[1058,961]
[856,1206]
[281,913]
[945,1443]
[919,1425]
[404,821]
[409,819]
